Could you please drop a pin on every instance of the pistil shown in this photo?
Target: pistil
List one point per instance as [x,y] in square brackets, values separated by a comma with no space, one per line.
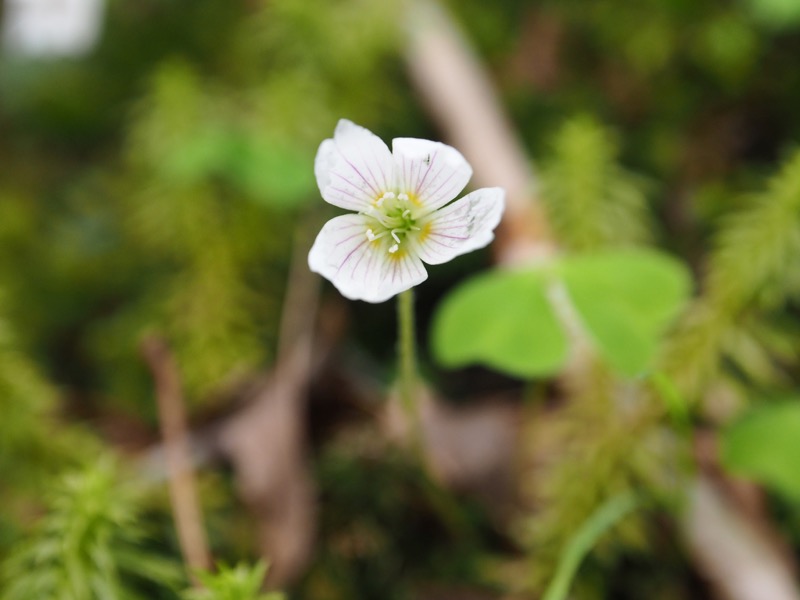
[394,216]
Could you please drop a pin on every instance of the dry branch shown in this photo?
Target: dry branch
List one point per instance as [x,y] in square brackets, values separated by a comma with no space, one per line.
[459,95]
[172,418]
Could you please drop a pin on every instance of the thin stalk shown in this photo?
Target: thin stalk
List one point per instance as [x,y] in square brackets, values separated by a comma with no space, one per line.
[408,385]
[603,519]
[182,486]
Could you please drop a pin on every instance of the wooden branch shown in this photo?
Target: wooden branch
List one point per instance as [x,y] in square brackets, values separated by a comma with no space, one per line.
[739,560]
[172,418]
[460,97]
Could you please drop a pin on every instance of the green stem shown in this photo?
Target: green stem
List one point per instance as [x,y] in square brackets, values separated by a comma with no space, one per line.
[408,361]
[584,539]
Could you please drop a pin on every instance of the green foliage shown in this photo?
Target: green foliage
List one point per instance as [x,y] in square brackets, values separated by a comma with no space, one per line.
[727,46]
[591,200]
[752,270]
[33,442]
[519,323]
[212,243]
[780,14]
[190,132]
[25,400]
[88,546]
[676,405]
[756,248]
[241,582]
[625,300]
[585,455]
[504,320]
[764,444]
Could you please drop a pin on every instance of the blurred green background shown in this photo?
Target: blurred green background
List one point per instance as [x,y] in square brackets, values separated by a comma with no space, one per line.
[159,182]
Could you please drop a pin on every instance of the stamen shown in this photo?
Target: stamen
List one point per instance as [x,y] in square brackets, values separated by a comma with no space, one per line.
[386,196]
[406,213]
[370,235]
[402,196]
[379,218]
[394,235]
[394,249]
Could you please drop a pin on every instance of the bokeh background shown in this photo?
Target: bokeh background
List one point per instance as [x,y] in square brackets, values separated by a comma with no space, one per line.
[157,201]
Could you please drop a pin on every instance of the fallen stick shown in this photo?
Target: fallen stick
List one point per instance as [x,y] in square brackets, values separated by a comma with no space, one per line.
[461,99]
[172,419]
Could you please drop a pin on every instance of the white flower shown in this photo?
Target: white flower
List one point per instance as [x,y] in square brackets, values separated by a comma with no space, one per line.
[52,28]
[402,213]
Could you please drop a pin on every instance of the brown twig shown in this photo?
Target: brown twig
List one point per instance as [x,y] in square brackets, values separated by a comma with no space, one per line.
[739,559]
[172,418]
[461,98]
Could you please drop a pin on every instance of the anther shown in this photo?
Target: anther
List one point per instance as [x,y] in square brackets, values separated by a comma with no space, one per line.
[402,197]
[394,249]
[370,235]
[386,196]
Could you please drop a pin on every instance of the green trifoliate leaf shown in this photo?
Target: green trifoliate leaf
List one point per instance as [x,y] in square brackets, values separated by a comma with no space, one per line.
[502,319]
[765,445]
[625,299]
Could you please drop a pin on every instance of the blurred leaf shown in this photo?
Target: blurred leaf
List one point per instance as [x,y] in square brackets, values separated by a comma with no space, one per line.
[626,299]
[273,171]
[649,47]
[779,14]
[729,47]
[193,158]
[502,319]
[765,445]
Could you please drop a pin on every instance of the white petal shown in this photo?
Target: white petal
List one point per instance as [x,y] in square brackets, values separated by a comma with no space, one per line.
[401,270]
[466,225]
[431,173]
[353,169]
[359,268]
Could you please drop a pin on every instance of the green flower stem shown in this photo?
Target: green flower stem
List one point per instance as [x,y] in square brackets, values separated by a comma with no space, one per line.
[408,361]
[584,539]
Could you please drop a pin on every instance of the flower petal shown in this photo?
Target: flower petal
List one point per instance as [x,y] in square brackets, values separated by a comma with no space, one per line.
[401,271]
[466,225]
[362,269]
[431,173]
[354,168]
